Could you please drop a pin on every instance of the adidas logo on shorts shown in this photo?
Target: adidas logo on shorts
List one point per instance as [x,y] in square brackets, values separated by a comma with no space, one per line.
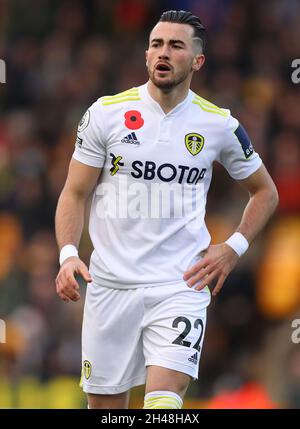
[131,139]
[194,358]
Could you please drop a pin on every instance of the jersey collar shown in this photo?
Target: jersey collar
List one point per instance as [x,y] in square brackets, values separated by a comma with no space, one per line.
[156,106]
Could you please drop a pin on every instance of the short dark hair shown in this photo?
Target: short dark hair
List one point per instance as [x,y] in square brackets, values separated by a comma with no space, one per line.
[183,17]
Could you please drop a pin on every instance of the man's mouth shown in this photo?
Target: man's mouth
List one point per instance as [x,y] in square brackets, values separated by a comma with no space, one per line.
[163,67]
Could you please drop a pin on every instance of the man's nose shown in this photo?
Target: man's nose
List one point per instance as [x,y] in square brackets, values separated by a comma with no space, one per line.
[164,53]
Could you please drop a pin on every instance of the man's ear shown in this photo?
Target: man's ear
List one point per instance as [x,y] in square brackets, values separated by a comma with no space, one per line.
[146,55]
[198,62]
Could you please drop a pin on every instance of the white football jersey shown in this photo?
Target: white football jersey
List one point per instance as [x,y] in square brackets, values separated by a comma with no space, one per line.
[147,215]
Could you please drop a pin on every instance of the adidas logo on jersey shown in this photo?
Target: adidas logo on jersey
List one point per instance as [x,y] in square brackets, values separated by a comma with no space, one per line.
[131,139]
[194,358]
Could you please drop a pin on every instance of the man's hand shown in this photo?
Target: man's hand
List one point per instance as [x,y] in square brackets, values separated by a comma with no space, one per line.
[66,285]
[218,262]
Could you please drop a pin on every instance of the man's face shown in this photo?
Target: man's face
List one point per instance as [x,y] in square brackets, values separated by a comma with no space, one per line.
[172,54]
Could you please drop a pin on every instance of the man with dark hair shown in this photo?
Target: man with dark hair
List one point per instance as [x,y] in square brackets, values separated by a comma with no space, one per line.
[146,156]
[183,17]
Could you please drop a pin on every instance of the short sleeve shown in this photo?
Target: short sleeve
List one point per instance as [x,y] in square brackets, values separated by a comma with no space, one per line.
[237,154]
[90,146]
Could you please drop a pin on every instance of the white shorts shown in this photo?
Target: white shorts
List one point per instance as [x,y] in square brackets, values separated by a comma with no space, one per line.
[124,331]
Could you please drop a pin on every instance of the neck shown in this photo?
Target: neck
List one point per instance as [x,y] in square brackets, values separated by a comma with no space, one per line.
[168,99]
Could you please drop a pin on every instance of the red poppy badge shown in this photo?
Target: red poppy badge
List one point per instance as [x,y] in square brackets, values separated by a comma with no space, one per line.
[133,120]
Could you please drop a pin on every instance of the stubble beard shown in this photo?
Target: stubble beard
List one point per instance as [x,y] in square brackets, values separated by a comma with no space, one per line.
[167,84]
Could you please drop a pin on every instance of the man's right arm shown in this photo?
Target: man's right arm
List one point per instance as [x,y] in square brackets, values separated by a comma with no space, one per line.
[69,221]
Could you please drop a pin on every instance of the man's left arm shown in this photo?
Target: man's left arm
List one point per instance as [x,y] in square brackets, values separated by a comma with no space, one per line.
[220,259]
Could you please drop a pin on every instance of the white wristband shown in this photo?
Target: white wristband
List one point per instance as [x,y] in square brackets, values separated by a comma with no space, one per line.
[66,252]
[238,243]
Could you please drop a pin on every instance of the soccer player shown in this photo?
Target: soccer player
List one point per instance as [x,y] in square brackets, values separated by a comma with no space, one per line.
[145,156]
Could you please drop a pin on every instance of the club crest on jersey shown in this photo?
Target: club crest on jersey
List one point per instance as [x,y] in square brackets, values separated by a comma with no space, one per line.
[87,369]
[194,143]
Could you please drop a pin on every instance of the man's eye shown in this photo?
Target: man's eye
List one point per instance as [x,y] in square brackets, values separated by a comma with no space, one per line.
[177,46]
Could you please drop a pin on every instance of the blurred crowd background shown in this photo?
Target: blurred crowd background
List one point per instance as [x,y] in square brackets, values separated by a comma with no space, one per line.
[60,57]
